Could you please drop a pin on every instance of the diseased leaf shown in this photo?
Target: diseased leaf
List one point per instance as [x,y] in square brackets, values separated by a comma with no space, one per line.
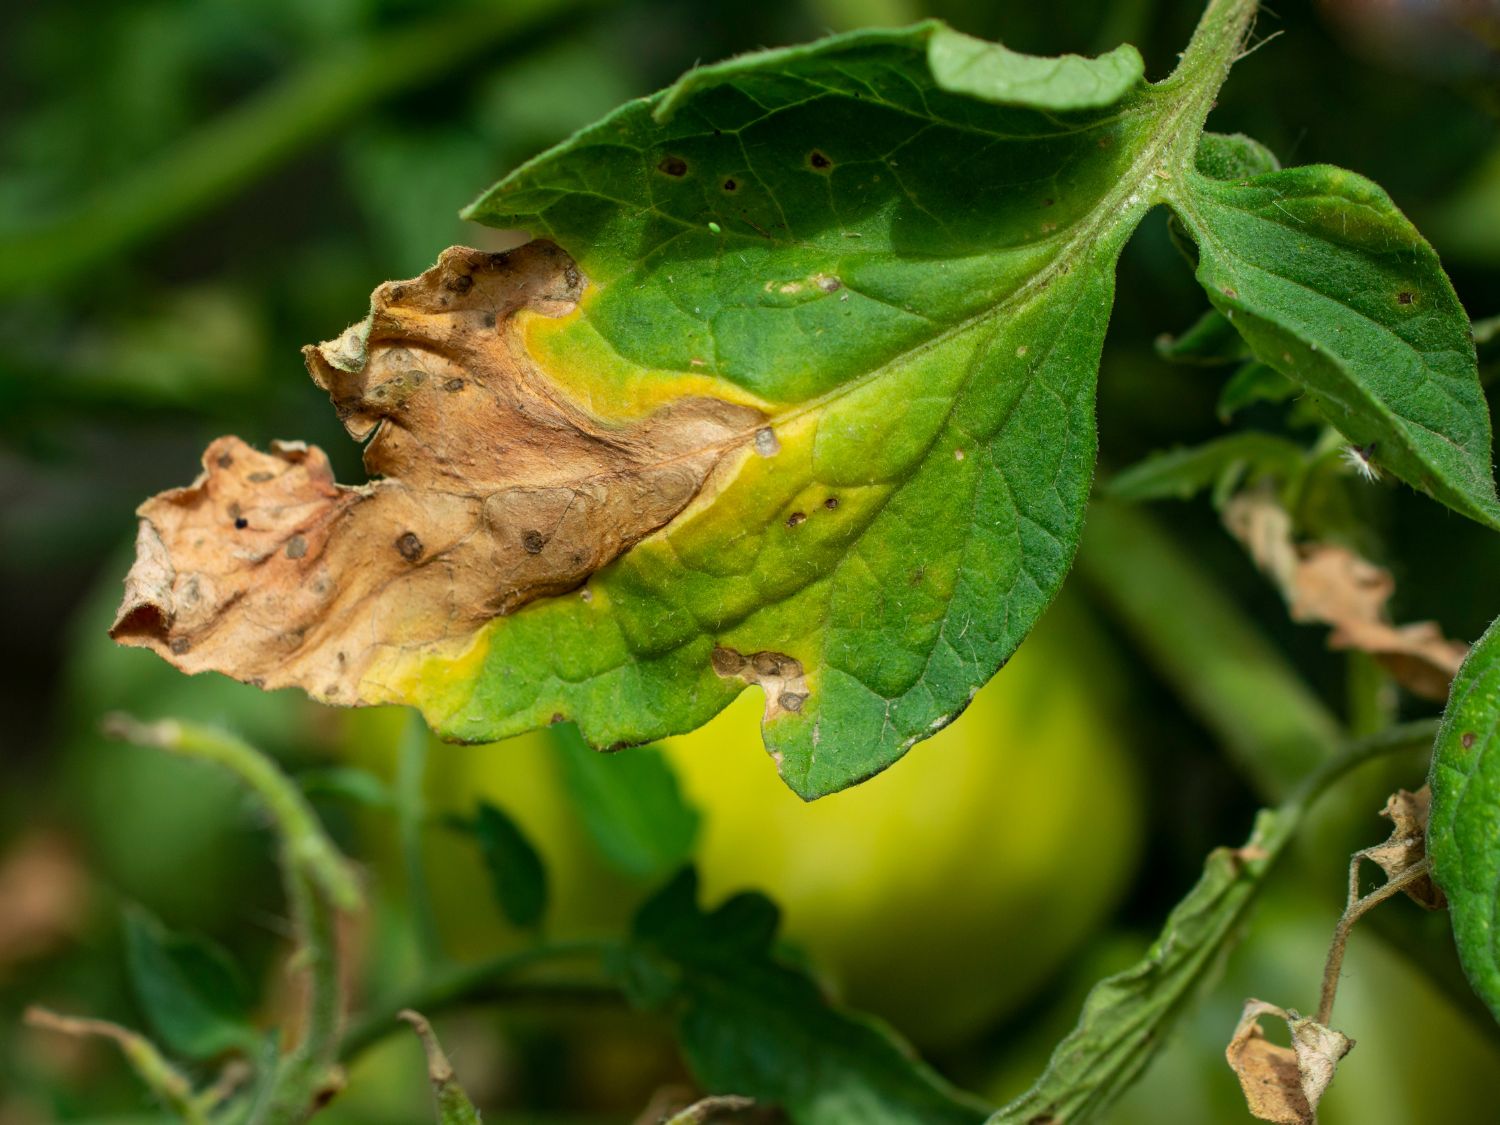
[1223,464]
[631,805]
[1462,840]
[1330,584]
[1332,286]
[754,1027]
[1126,1017]
[777,399]
[1284,1084]
[516,870]
[190,990]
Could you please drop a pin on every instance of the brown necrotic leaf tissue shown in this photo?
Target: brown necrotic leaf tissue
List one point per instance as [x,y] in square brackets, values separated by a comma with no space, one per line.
[490,488]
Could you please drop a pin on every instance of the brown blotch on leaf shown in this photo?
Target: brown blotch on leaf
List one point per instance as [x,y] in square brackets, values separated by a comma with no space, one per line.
[674,166]
[818,161]
[410,546]
[796,519]
[533,542]
[1467,740]
[1405,297]
[465,476]
[1329,583]
[831,503]
[778,675]
[731,186]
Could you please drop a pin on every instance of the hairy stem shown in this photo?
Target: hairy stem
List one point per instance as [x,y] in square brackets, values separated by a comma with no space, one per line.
[1357,909]
[319,884]
[411,811]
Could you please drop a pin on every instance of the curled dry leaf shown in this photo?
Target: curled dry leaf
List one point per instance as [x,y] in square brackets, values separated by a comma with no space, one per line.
[491,489]
[1332,585]
[1407,845]
[1284,1084]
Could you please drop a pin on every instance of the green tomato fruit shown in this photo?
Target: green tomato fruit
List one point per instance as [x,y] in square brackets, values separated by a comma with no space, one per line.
[941,893]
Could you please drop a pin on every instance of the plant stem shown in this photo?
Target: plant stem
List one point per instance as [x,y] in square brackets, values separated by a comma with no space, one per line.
[468,983]
[1272,726]
[1357,909]
[255,137]
[411,806]
[319,883]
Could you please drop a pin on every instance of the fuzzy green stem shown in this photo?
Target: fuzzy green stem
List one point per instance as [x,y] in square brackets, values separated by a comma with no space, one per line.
[319,884]
[257,136]
[411,814]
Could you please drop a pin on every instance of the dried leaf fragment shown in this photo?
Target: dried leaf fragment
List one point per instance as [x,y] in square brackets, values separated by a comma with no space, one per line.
[1284,1084]
[1329,584]
[1406,846]
[490,488]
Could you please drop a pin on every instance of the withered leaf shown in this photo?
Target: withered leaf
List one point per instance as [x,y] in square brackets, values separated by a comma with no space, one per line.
[1330,584]
[1284,1084]
[1406,847]
[491,489]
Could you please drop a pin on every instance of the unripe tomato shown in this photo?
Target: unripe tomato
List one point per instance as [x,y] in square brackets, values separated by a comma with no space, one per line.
[944,891]
[939,894]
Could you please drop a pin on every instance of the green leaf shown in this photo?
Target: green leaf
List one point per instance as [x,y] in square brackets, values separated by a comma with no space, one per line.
[1332,286]
[346,783]
[994,73]
[190,989]
[1462,839]
[630,804]
[1210,341]
[1254,382]
[1221,464]
[752,1026]
[516,871]
[1127,1017]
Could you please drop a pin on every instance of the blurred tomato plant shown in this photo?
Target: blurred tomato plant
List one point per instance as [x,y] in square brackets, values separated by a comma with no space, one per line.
[195,189]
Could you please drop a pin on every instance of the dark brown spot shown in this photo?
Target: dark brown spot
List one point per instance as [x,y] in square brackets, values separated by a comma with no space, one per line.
[453,385]
[533,542]
[791,700]
[1404,297]
[674,166]
[730,185]
[726,661]
[1048,202]
[1228,292]
[918,576]
[1467,740]
[460,284]
[398,292]
[296,547]
[180,645]
[818,161]
[225,460]
[260,477]
[488,320]
[795,518]
[558,717]
[831,503]
[770,663]
[240,523]
[331,689]
[409,546]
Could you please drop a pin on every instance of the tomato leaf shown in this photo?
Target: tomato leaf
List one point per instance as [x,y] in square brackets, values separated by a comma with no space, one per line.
[516,871]
[1126,1017]
[631,805]
[191,991]
[752,1026]
[1461,835]
[1333,287]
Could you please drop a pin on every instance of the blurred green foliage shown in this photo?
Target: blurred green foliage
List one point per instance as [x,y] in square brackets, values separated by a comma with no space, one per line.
[193,189]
